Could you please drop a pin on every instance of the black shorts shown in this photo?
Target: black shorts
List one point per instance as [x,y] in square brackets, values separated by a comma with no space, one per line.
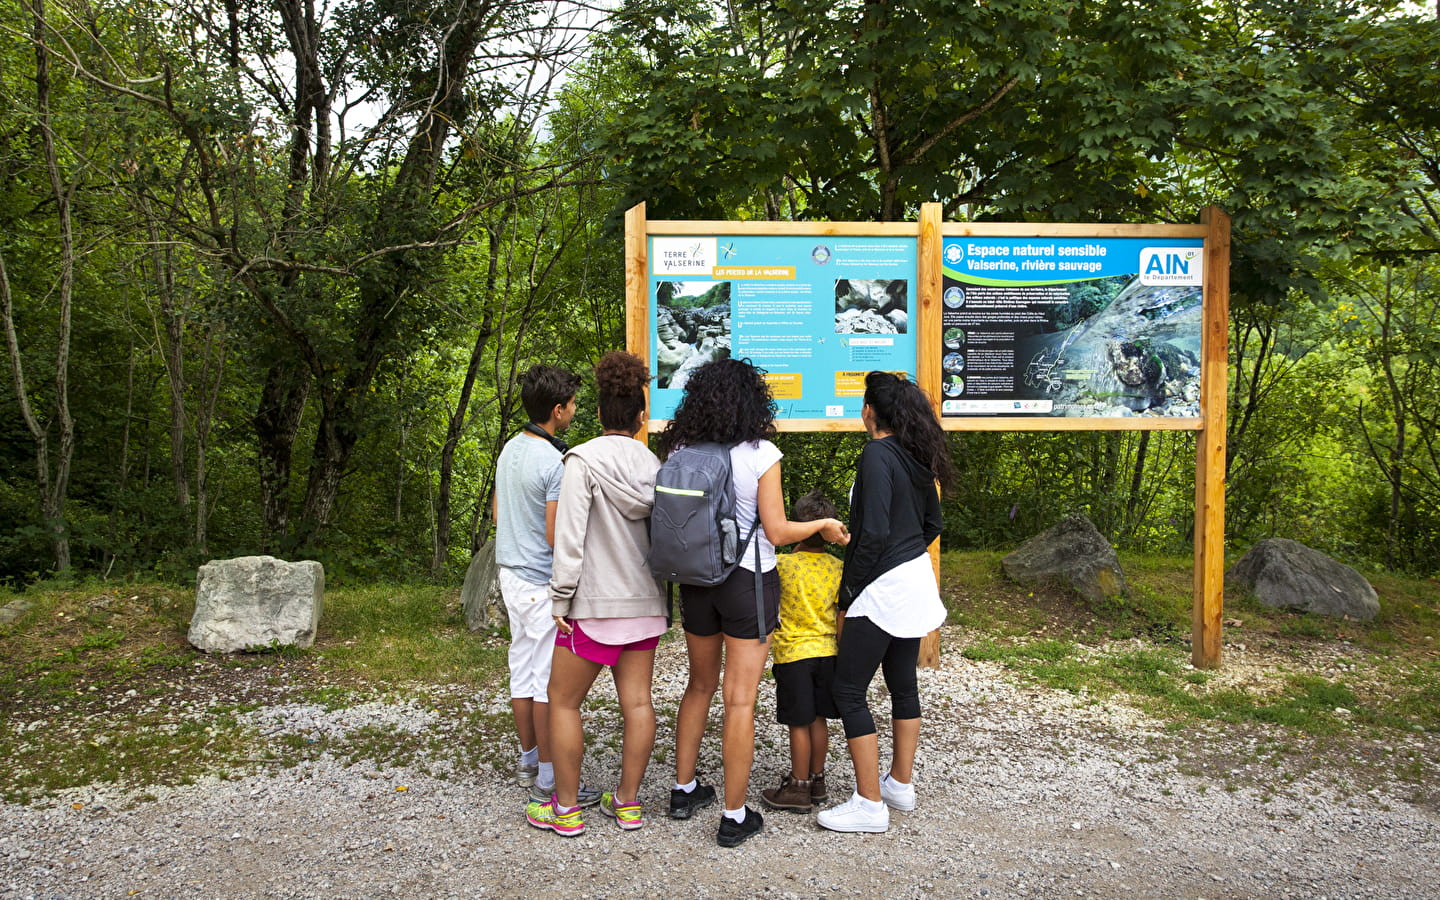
[730,605]
[802,691]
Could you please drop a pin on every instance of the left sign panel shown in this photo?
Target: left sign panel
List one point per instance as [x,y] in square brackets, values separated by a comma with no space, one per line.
[815,312]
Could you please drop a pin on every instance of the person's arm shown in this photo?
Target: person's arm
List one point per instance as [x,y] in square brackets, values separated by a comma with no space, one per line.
[934,521]
[877,483]
[555,478]
[778,528]
[568,518]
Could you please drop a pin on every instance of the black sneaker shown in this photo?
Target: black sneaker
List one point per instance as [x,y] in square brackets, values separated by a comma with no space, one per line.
[683,804]
[733,834]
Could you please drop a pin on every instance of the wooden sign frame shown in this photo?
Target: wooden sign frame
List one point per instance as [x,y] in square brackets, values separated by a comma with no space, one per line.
[930,231]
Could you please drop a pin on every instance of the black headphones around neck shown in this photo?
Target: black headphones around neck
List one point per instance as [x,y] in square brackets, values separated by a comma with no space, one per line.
[554,441]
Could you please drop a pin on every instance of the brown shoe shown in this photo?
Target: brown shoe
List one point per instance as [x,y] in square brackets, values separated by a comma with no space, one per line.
[791,794]
[818,793]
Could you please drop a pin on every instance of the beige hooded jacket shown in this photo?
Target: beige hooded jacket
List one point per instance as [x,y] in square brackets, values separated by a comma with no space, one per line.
[602,532]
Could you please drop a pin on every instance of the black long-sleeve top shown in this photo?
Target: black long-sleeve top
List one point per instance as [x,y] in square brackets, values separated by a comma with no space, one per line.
[894,515]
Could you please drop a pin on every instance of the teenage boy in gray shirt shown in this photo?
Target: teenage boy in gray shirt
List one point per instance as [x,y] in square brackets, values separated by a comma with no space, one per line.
[527,491]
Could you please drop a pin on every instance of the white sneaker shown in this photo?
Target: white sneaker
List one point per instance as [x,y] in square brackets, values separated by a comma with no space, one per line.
[855,814]
[896,795]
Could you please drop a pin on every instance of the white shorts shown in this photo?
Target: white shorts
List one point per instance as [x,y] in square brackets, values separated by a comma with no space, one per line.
[532,636]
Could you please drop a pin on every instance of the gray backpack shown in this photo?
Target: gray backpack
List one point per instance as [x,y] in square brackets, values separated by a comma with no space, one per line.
[694,536]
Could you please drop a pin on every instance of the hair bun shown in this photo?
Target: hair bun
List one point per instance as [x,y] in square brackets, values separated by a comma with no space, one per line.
[620,374]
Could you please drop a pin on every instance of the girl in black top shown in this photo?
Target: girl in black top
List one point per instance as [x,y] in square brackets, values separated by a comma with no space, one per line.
[889,598]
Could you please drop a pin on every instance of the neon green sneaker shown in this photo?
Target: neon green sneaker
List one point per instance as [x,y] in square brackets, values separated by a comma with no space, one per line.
[543,815]
[627,815]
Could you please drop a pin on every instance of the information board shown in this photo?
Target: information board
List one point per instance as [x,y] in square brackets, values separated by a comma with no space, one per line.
[1092,327]
[1007,327]
[814,312]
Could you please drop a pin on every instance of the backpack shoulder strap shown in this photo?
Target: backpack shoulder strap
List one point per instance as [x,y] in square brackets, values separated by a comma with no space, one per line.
[759,585]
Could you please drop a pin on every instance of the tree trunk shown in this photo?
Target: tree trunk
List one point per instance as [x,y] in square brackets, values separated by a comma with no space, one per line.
[1395,470]
[277,419]
[210,394]
[456,426]
[333,446]
[174,353]
[1137,479]
[123,482]
[53,485]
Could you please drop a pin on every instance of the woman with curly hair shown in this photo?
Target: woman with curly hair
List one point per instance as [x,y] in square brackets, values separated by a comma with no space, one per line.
[608,609]
[728,402]
[889,599]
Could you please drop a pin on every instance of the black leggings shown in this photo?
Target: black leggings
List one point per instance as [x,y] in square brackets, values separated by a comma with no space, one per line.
[865,647]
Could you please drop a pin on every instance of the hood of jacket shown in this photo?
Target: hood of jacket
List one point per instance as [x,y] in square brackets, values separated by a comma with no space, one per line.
[623,472]
[920,474]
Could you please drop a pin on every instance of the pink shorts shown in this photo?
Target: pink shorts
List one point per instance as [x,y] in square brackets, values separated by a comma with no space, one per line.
[585,647]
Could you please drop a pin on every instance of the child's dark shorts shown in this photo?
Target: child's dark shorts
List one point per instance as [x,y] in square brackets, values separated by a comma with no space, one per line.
[802,691]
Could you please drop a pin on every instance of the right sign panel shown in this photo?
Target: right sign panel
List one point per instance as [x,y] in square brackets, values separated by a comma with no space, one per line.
[1098,327]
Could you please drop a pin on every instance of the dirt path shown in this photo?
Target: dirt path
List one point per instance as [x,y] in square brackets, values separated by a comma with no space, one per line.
[1024,792]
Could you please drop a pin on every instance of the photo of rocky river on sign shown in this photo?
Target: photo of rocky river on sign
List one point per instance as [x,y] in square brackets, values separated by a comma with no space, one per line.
[1138,354]
[693,327]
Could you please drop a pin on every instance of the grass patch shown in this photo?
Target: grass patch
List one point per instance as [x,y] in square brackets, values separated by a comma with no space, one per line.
[1135,648]
[389,634]
[89,655]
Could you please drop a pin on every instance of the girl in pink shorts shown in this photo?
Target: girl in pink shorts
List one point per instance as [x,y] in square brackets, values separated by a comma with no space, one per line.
[609,611]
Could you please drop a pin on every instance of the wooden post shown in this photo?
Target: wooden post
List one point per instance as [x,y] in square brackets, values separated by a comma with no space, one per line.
[927,363]
[1209,584]
[637,301]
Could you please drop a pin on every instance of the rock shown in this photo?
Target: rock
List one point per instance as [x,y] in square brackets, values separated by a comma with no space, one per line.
[481,589]
[14,610]
[863,321]
[1073,553]
[1289,575]
[880,294]
[710,349]
[256,602]
[689,338]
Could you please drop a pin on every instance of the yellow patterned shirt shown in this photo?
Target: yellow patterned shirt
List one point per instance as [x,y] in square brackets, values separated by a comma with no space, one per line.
[809,585]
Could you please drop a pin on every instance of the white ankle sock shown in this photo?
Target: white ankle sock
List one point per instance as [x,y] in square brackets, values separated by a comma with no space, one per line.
[530,757]
[688,788]
[736,815]
[545,780]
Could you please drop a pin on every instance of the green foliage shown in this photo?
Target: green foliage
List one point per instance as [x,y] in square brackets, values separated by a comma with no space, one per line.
[274,325]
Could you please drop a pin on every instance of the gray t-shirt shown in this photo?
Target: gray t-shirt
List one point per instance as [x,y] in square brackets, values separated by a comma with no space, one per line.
[527,476]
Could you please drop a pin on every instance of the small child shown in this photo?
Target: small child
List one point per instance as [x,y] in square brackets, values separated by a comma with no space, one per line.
[804,648]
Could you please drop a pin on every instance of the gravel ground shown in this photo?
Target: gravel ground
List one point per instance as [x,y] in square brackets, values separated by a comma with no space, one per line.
[1024,792]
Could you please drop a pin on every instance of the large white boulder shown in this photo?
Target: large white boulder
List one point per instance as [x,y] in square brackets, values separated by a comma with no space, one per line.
[255,603]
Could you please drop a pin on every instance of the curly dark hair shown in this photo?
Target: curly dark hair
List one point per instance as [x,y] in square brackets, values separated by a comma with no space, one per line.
[620,378]
[810,507]
[901,408]
[726,401]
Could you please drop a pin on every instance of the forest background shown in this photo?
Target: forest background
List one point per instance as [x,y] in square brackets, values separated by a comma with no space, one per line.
[270,270]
